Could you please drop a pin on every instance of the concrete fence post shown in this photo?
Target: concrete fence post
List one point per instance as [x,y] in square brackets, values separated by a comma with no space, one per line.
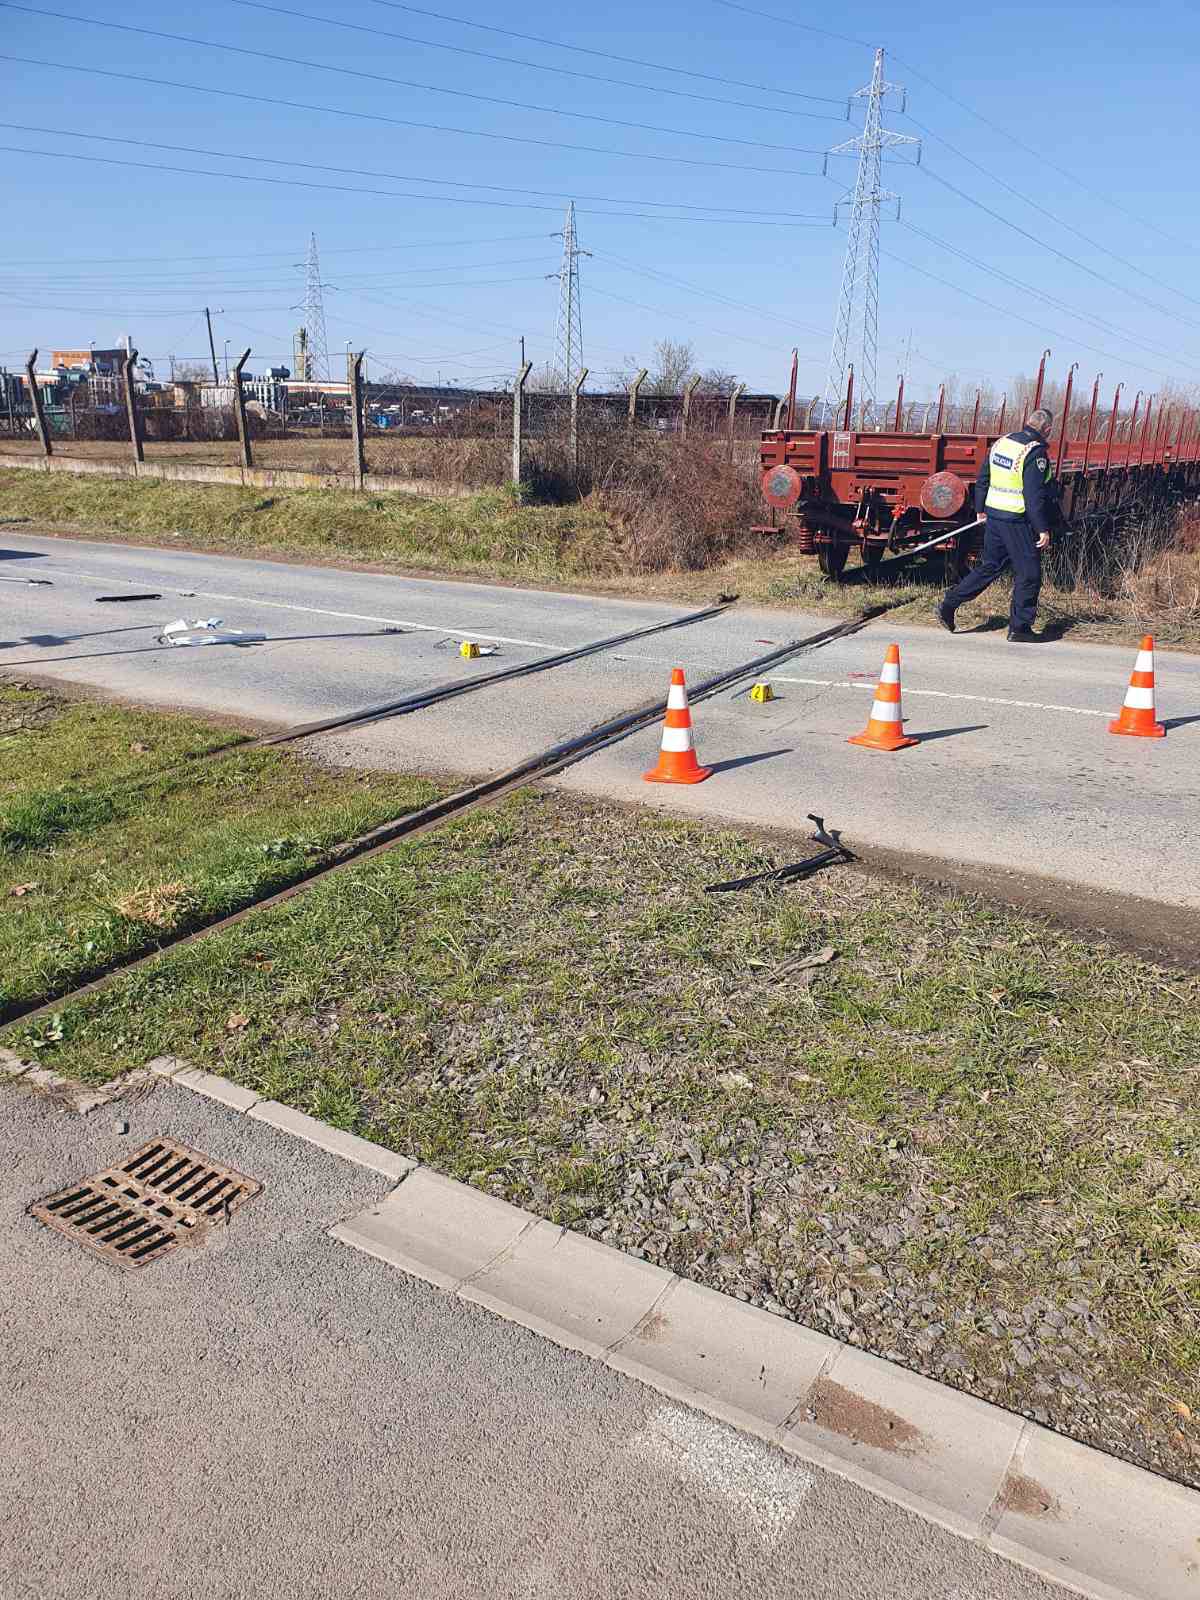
[737,394]
[39,410]
[131,406]
[634,390]
[573,440]
[518,406]
[239,410]
[354,389]
[689,390]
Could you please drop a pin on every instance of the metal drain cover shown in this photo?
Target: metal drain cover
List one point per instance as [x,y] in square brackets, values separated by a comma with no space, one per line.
[162,1197]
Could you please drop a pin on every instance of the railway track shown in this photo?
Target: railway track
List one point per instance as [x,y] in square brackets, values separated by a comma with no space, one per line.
[546,763]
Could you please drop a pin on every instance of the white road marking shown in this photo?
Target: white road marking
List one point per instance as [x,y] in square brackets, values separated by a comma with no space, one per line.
[321,611]
[946,694]
[765,1487]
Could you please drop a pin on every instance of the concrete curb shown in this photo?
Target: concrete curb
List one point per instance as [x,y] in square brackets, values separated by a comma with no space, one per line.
[1086,1520]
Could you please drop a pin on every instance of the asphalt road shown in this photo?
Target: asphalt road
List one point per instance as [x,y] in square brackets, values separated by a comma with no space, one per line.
[274,1413]
[1016,770]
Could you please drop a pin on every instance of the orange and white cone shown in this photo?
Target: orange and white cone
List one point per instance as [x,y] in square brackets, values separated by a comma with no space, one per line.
[677,756]
[885,727]
[1137,714]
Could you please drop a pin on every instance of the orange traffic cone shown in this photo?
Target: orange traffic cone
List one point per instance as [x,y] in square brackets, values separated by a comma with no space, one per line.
[677,757]
[1137,714]
[885,728]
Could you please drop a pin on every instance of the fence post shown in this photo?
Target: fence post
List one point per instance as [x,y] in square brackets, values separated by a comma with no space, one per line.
[131,409]
[239,410]
[689,390]
[737,394]
[354,389]
[634,391]
[518,402]
[574,438]
[39,410]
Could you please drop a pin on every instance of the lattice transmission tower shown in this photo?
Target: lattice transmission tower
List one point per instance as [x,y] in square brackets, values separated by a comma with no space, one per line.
[316,350]
[568,332]
[856,330]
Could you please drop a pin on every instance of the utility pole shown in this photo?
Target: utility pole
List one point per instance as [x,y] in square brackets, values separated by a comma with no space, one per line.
[314,315]
[212,349]
[568,334]
[856,327]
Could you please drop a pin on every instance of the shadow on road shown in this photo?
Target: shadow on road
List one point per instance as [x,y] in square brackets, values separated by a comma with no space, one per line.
[949,733]
[746,761]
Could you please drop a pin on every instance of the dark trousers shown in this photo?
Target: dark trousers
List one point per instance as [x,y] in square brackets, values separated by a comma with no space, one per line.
[1007,542]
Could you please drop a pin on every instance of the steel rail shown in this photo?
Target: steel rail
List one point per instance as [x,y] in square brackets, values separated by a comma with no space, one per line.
[414,823]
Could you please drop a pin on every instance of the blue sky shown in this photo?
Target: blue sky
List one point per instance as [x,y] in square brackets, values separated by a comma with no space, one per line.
[718,232]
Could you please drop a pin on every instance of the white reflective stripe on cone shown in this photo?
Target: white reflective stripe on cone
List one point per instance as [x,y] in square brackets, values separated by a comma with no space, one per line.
[885,711]
[1139,699]
[890,673]
[1144,662]
[676,739]
[677,697]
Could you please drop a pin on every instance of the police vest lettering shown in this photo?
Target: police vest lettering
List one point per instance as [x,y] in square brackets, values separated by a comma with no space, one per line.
[1006,474]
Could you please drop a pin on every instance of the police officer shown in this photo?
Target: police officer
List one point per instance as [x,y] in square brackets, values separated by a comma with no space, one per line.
[1015,488]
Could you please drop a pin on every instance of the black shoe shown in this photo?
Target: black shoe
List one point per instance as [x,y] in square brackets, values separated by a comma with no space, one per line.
[946,617]
[1024,636]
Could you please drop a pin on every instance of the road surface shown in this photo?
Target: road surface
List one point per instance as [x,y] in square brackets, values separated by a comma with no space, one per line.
[277,1414]
[1015,771]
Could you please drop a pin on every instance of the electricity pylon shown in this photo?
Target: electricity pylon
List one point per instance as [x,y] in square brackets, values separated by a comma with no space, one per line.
[856,330]
[568,332]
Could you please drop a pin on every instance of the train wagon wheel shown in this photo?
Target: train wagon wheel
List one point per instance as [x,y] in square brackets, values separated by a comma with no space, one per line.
[872,556]
[832,557]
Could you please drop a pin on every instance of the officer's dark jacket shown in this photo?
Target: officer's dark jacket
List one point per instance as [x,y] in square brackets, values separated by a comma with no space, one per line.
[1040,497]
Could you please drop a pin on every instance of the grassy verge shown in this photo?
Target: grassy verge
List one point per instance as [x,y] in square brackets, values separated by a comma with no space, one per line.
[492,535]
[938,1131]
[94,872]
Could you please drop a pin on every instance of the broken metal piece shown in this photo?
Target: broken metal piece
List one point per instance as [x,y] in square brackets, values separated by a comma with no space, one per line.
[114,599]
[834,850]
[206,630]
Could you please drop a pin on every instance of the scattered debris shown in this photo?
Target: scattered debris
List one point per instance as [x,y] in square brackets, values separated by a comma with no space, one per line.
[1027,1497]
[19,890]
[840,1410]
[37,583]
[236,1021]
[206,630]
[116,599]
[834,850]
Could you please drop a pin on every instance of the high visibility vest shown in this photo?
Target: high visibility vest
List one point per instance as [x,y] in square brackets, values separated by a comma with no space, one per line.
[1006,474]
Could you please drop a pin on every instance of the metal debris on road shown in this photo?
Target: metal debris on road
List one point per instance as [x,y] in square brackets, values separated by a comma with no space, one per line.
[36,583]
[206,630]
[116,599]
[834,850]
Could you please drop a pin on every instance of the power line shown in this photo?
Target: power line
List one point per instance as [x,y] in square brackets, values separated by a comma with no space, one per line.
[1055,333]
[677,316]
[1041,294]
[1053,216]
[655,275]
[386,194]
[604,55]
[396,177]
[806,27]
[404,83]
[1038,155]
[537,66]
[260,100]
[214,285]
[1042,244]
[255,255]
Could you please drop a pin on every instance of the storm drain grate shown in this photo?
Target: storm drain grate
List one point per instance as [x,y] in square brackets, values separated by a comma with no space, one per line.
[162,1197]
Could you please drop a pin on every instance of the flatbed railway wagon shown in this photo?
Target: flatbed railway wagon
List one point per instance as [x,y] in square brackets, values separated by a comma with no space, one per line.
[889,495]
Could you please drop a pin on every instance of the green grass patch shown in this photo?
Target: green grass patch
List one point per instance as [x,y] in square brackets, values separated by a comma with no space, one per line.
[112,842]
[966,1128]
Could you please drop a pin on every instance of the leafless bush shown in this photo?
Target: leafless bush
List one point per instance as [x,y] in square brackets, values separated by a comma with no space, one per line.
[1146,560]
